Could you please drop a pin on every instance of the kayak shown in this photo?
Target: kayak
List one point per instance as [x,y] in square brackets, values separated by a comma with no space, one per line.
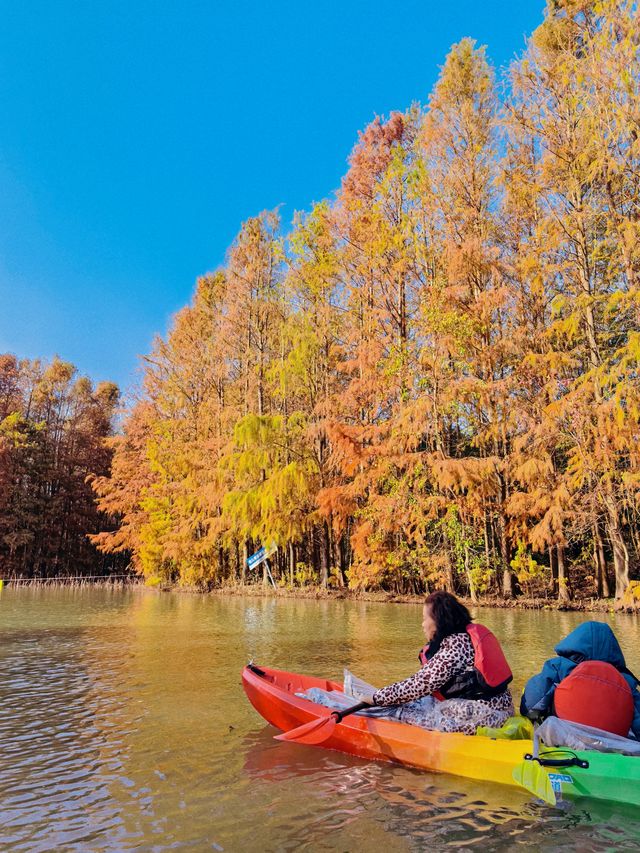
[607,776]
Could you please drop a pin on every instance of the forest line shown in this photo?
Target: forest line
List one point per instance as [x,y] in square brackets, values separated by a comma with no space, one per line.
[53,428]
[432,379]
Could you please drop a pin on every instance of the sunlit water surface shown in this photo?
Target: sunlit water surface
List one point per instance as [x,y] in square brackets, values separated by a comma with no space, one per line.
[123,725]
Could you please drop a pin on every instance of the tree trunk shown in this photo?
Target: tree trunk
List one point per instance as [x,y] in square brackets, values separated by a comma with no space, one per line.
[619,547]
[472,586]
[487,553]
[324,554]
[292,564]
[335,550]
[341,560]
[563,584]
[553,566]
[507,574]
[449,584]
[344,550]
[507,583]
[245,557]
[602,581]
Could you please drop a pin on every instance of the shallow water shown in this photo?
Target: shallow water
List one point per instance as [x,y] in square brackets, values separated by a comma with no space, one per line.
[123,725]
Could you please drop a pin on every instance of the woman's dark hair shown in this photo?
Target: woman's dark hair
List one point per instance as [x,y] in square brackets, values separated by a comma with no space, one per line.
[450,616]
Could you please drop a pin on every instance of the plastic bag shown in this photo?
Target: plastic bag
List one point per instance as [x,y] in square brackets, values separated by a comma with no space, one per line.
[334,699]
[515,728]
[356,687]
[557,732]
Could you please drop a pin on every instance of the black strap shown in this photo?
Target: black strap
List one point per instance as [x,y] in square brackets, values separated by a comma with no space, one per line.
[256,669]
[570,761]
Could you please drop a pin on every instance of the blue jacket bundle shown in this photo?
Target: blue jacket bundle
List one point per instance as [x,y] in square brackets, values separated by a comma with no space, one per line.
[590,641]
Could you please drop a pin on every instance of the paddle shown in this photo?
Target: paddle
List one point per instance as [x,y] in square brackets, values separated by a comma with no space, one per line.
[320,730]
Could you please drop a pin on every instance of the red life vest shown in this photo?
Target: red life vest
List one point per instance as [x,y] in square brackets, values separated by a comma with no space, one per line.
[595,694]
[490,674]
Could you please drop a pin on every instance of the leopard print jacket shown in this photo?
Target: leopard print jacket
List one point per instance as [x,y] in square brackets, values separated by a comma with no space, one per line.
[454,656]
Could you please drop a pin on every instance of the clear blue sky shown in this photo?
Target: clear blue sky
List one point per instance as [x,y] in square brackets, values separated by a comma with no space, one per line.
[136,136]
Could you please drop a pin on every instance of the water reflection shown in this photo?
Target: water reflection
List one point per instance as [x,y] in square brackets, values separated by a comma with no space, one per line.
[123,725]
[430,811]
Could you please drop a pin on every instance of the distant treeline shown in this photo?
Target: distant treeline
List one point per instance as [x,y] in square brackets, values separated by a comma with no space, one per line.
[433,378]
[53,426]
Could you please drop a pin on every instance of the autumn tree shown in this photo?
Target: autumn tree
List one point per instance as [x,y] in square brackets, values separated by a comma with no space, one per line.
[583,173]
[52,441]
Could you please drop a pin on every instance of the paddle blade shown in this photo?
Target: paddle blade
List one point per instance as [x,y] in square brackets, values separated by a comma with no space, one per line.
[535,778]
[316,731]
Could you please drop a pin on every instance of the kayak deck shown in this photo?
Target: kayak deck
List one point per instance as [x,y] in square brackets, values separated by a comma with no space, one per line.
[272,693]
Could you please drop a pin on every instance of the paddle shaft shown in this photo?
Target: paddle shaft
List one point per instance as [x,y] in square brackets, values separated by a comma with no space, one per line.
[340,715]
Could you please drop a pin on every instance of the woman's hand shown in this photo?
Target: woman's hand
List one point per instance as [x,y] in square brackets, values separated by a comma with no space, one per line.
[357,688]
[363,694]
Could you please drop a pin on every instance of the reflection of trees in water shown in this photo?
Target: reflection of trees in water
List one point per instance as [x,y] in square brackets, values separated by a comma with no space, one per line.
[413,810]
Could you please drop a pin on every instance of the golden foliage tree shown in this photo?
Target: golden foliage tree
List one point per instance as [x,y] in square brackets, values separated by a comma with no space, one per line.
[432,380]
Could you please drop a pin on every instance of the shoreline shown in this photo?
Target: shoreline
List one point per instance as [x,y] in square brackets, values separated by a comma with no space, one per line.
[318,593]
[582,605]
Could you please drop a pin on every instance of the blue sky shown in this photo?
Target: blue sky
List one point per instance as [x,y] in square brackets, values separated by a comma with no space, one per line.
[136,136]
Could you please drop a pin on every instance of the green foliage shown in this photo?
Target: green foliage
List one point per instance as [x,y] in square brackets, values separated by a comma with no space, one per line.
[532,575]
[273,497]
[305,575]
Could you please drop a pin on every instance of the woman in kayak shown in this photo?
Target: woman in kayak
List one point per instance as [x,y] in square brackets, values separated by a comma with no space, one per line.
[462,683]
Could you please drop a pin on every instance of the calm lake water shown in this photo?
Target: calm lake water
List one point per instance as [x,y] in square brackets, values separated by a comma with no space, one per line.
[123,725]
